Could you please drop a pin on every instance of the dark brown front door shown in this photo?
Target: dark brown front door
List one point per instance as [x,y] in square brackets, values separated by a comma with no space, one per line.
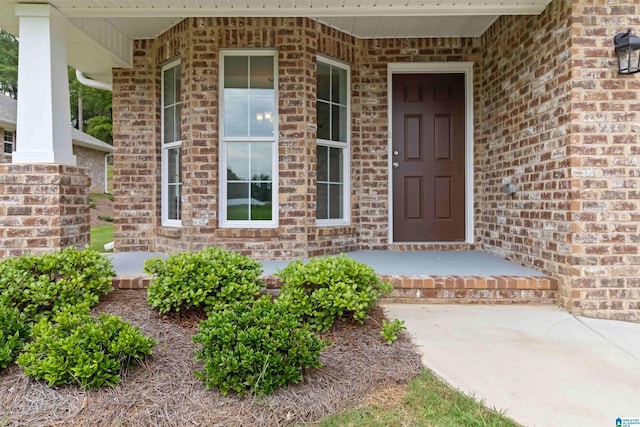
[428,157]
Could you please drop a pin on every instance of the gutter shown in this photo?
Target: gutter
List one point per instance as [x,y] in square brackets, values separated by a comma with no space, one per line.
[106,177]
[82,78]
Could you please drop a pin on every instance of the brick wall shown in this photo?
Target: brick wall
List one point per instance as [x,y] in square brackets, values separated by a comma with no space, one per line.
[136,151]
[93,161]
[605,141]
[523,138]
[137,180]
[42,208]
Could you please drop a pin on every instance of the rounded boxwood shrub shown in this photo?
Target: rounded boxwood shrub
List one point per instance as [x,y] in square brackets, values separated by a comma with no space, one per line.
[14,332]
[38,285]
[76,348]
[329,288]
[255,348]
[210,278]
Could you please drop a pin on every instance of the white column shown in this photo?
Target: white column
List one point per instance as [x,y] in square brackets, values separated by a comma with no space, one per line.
[44,117]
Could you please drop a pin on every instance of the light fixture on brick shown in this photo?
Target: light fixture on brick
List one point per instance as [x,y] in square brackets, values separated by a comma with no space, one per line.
[628,49]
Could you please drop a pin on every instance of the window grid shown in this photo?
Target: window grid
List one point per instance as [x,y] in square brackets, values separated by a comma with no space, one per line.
[331,214]
[8,142]
[172,149]
[229,141]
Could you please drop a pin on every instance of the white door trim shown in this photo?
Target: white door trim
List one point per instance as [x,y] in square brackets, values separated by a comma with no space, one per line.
[465,68]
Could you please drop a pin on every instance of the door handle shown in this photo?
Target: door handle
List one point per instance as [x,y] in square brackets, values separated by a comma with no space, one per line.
[395,165]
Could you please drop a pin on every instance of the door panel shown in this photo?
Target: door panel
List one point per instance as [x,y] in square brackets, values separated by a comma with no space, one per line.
[429,167]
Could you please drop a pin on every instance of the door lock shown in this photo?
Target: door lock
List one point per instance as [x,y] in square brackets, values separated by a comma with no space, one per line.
[395,152]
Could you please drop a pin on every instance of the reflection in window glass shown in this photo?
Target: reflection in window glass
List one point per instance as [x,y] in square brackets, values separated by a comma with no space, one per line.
[249,96]
[249,182]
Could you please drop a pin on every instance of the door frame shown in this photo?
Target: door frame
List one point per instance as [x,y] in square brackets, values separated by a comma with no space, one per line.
[465,68]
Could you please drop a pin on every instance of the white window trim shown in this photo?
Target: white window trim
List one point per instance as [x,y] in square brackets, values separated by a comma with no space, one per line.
[12,142]
[166,222]
[346,146]
[465,68]
[223,221]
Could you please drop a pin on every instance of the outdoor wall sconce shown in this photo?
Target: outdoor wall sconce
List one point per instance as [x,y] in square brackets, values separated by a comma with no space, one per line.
[628,49]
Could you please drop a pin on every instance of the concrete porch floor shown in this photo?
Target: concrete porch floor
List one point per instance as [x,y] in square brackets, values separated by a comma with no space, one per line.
[390,263]
[417,276]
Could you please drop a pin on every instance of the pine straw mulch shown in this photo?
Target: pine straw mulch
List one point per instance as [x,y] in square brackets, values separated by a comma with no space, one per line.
[164,391]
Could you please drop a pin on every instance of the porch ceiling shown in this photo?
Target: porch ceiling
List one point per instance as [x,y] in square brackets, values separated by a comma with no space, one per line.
[126,20]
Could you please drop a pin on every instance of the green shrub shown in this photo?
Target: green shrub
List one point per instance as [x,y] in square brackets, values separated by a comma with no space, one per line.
[106,218]
[390,330]
[330,288]
[255,347]
[79,349]
[13,334]
[38,285]
[208,279]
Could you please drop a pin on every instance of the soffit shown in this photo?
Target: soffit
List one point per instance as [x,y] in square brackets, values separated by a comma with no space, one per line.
[361,18]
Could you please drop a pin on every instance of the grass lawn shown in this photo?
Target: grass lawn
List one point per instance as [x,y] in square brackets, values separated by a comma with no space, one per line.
[97,196]
[426,401]
[240,212]
[101,236]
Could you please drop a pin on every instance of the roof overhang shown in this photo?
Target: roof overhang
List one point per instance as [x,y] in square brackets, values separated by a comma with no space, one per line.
[101,32]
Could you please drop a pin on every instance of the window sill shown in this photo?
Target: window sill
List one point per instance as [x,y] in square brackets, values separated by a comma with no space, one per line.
[246,233]
[166,231]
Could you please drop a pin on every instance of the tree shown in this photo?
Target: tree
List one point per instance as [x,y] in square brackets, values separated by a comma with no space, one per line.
[8,64]
[90,109]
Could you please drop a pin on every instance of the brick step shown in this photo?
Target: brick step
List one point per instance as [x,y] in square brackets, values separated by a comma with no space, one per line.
[436,289]
[473,289]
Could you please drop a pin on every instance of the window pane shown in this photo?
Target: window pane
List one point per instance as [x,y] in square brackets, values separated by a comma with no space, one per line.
[169,87]
[173,165]
[261,68]
[261,201]
[323,120]
[236,111]
[238,201]
[238,161]
[8,148]
[173,211]
[169,124]
[339,123]
[236,72]
[335,201]
[323,163]
[261,162]
[323,82]
[176,82]
[322,208]
[262,115]
[339,85]
[177,125]
[335,165]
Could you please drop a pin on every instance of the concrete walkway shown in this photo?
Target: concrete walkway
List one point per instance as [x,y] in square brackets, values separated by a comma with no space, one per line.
[540,364]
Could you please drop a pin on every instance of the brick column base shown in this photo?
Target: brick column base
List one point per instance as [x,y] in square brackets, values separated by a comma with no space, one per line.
[42,208]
